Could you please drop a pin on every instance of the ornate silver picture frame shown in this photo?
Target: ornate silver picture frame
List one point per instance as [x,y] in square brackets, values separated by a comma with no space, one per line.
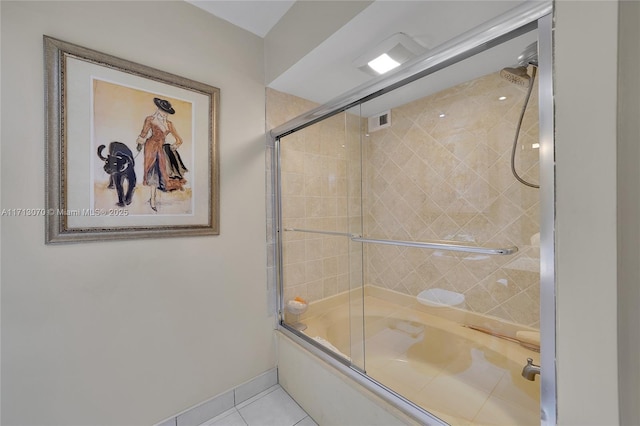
[131,151]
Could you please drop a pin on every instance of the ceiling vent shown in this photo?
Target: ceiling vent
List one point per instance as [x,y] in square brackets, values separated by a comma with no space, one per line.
[379,121]
[389,54]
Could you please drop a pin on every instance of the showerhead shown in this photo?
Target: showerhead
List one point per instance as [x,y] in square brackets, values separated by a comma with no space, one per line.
[517,75]
[529,56]
[521,77]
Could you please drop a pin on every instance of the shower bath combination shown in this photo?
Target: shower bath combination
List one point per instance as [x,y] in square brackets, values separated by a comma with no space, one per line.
[370,225]
[387,291]
[520,76]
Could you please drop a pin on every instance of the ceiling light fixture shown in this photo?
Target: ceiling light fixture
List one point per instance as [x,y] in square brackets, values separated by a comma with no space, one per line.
[389,54]
[383,63]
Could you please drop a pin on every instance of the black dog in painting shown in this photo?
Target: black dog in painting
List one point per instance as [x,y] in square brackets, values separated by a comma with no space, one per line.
[119,164]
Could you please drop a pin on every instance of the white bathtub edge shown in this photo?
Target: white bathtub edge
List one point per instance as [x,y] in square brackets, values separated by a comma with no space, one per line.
[343,396]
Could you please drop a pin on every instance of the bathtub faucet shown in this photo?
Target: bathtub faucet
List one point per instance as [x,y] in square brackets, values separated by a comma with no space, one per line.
[530,370]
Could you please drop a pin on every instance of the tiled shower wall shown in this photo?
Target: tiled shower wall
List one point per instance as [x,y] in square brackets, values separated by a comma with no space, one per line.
[318,194]
[442,172]
[426,177]
[280,108]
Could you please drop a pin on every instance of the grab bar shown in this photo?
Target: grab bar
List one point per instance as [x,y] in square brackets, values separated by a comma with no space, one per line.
[441,245]
[314,231]
[438,245]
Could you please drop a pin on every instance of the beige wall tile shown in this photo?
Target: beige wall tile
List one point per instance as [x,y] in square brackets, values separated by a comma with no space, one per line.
[425,177]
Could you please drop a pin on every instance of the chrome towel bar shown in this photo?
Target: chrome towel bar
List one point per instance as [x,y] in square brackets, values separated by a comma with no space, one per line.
[315,231]
[436,245]
[442,245]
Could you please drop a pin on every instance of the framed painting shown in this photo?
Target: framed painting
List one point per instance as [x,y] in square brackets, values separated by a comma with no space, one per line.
[131,151]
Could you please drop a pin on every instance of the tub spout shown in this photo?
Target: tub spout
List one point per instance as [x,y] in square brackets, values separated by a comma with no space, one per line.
[530,370]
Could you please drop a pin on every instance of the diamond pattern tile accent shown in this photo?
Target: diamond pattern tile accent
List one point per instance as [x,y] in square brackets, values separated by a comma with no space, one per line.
[453,180]
[425,177]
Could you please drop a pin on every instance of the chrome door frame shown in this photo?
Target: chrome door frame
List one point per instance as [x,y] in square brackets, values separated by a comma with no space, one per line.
[548,387]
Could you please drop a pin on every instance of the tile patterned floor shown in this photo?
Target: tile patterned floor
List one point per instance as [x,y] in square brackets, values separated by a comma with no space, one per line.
[273,407]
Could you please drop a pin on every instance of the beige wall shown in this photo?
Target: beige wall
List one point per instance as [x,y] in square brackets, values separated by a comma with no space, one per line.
[305,25]
[585,102]
[187,318]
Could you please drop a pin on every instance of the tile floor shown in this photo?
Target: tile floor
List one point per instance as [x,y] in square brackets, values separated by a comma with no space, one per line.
[273,407]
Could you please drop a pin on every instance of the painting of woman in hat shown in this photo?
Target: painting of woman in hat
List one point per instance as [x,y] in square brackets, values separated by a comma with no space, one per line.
[163,167]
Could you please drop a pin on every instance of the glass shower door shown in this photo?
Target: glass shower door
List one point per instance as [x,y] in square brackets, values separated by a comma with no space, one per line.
[451,239]
[320,209]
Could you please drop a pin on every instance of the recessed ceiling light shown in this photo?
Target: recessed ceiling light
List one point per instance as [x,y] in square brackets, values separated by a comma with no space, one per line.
[443,115]
[399,48]
[535,145]
[383,64]
[502,98]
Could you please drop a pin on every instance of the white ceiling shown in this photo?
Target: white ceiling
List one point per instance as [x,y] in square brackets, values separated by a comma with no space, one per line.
[257,17]
[328,71]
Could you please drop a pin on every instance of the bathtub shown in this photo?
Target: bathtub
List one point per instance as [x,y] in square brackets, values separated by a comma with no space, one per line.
[431,356]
